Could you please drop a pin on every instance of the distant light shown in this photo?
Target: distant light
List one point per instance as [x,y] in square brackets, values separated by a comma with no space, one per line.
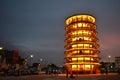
[31,56]
[111,66]
[41,59]
[1,48]
[109,56]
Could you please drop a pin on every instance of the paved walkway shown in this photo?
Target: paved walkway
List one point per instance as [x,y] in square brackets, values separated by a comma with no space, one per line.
[63,77]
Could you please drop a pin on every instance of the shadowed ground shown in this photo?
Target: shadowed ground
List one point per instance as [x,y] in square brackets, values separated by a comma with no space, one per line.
[110,76]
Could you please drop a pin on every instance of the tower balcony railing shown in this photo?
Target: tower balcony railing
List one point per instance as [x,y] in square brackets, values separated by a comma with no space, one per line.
[82,55]
[77,18]
[82,24]
[90,53]
[79,28]
[83,44]
[77,48]
[82,31]
[85,54]
[77,61]
[74,29]
[89,33]
[91,45]
[82,35]
[79,39]
[67,50]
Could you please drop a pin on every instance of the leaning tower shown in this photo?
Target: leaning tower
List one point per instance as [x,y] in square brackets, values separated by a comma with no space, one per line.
[81,44]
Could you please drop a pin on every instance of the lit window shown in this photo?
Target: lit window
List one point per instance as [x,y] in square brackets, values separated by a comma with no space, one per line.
[87,58]
[91,59]
[73,39]
[80,59]
[91,51]
[73,33]
[78,66]
[90,39]
[85,32]
[74,26]
[79,16]
[74,66]
[91,46]
[89,33]
[86,38]
[74,46]
[80,32]
[86,45]
[79,24]
[87,67]
[74,51]
[74,59]
[84,17]
[87,51]
[84,25]
[80,45]
[68,21]
[92,66]
[74,19]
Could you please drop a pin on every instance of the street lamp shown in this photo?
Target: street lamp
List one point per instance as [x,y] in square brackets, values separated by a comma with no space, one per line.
[41,59]
[109,56]
[41,63]
[109,63]
[31,55]
[1,48]
[1,51]
[109,59]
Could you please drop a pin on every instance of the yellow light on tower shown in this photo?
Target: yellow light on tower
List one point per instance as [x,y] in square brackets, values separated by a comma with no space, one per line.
[81,44]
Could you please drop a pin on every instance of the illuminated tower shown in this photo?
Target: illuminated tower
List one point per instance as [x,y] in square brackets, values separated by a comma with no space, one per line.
[81,44]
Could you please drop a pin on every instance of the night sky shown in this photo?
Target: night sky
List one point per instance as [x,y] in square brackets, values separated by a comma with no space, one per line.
[37,26]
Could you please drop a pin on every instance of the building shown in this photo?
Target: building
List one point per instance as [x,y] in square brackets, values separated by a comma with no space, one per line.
[81,44]
[110,66]
[117,62]
[9,57]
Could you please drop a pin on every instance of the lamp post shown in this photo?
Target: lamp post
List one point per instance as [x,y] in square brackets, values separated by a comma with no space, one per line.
[31,56]
[1,55]
[1,48]
[109,57]
[41,62]
[109,62]
[41,59]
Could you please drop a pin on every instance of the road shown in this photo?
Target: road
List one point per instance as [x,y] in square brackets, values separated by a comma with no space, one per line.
[110,76]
